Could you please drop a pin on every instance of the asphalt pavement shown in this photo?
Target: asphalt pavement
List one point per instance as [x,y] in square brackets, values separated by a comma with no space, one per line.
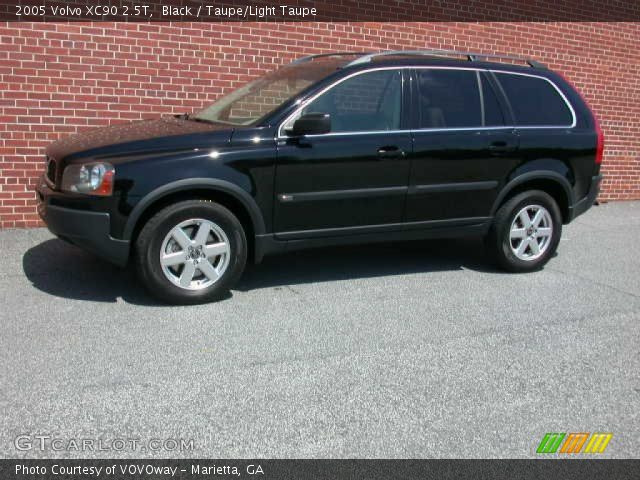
[403,350]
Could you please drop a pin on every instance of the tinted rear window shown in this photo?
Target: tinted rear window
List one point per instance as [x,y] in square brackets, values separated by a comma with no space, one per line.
[535,101]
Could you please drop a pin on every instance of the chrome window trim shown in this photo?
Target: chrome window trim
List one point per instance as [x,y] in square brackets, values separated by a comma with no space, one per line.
[281,136]
[418,130]
[481,93]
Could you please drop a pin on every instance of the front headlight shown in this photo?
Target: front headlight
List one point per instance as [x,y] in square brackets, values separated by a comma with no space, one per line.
[89,178]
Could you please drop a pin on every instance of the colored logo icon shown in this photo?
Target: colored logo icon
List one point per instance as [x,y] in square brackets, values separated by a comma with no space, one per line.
[574,442]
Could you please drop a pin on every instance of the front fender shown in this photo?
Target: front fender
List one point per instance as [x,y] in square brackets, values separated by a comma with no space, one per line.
[215,185]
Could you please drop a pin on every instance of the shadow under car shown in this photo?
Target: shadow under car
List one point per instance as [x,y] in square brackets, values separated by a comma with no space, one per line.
[63,270]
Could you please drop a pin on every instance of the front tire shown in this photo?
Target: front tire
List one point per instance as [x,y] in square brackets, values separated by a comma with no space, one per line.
[525,232]
[191,252]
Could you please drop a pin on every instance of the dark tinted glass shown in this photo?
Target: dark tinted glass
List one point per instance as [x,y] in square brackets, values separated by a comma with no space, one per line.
[535,101]
[367,102]
[449,99]
[492,112]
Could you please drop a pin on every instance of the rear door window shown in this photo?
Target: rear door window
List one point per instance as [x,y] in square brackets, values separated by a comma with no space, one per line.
[535,101]
[449,98]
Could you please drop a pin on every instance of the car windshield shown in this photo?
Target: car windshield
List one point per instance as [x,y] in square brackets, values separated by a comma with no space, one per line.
[260,97]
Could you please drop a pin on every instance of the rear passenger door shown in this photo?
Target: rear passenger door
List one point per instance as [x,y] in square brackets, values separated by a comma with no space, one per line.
[464,147]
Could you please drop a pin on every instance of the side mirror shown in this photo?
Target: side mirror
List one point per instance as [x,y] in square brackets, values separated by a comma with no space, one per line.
[312,124]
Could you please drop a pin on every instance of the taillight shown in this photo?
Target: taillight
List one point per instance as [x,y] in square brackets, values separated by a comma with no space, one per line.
[599,133]
[600,141]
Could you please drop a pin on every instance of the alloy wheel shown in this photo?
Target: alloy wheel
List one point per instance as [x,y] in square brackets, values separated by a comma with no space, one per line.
[531,232]
[195,254]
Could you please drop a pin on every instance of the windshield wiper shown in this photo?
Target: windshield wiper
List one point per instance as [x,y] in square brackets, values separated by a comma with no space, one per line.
[187,116]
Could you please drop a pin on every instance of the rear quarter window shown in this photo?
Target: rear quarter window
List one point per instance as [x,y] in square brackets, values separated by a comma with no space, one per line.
[535,101]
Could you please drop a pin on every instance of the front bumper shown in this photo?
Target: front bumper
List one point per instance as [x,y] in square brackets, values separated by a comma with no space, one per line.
[85,229]
[585,204]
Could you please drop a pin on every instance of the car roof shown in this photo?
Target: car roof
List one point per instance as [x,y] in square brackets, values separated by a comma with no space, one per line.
[365,61]
[418,61]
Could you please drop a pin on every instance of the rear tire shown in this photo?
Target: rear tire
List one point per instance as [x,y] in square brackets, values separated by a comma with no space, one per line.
[525,232]
[191,252]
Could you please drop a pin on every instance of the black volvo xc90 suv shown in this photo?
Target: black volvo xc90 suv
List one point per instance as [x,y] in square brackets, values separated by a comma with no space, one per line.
[332,149]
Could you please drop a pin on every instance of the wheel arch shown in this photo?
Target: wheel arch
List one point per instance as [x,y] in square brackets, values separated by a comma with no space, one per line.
[552,183]
[229,195]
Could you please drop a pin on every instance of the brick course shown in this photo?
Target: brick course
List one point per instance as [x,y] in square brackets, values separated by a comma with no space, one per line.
[60,78]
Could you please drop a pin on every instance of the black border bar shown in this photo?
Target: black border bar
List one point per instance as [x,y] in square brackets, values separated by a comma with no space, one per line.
[319,10]
[323,469]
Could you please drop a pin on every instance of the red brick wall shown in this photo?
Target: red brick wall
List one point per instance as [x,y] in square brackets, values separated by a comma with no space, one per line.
[57,79]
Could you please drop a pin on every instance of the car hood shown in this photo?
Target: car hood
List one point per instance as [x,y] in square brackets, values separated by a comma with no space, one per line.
[163,134]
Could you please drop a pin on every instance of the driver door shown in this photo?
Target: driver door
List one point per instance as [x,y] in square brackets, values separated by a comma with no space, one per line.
[353,179]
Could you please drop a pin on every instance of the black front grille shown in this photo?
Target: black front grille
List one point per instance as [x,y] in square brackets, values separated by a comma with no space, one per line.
[51,170]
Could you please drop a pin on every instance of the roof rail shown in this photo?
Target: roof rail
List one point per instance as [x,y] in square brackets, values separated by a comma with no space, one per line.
[471,56]
[308,58]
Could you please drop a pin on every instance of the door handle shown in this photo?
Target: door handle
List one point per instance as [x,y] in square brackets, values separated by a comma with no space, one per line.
[391,151]
[500,146]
